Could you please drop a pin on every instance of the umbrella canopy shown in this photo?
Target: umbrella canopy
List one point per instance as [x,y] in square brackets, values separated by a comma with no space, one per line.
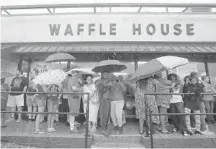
[50,77]
[109,66]
[5,74]
[158,65]
[58,57]
[84,71]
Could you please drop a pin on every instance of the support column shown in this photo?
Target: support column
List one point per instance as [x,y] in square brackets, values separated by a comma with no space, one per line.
[19,67]
[29,67]
[135,62]
[206,67]
[68,65]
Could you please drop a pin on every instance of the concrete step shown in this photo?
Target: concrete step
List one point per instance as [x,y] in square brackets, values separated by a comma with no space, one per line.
[117,138]
[117,145]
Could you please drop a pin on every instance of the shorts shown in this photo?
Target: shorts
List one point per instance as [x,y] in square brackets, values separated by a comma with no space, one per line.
[15,101]
[30,100]
[3,105]
[74,104]
[40,101]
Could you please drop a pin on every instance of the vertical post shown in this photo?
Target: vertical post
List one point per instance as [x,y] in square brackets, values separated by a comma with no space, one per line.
[135,62]
[151,127]
[29,67]
[20,63]
[206,67]
[68,65]
[146,115]
[87,123]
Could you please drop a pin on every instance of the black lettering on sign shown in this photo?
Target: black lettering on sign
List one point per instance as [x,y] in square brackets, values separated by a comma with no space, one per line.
[165,29]
[178,30]
[80,28]
[190,29]
[101,31]
[136,29]
[91,28]
[150,29]
[54,29]
[68,30]
[112,29]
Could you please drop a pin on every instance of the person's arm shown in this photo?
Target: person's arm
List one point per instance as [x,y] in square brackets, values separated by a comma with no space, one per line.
[123,87]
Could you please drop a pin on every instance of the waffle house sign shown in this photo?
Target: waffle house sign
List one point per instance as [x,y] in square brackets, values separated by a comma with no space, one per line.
[110,27]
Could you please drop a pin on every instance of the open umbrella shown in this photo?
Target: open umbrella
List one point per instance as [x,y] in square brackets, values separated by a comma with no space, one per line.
[158,65]
[50,77]
[84,71]
[109,66]
[5,74]
[58,57]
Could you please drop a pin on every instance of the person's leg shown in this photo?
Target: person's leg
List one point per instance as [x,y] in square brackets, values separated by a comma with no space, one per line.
[38,118]
[175,120]
[3,115]
[19,103]
[207,108]
[113,113]
[118,112]
[187,119]
[11,104]
[72,106]
[197,120]
[163,110]
[180,109]
[49,118]
[204,126]
[29,105]
[211,111]
[54,109]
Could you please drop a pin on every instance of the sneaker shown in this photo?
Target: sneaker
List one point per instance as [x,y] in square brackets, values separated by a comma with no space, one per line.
[18,120]
[185,134]
[50,130]
[207,132]
[39,132]
[120,130]
[198,132]
[190,132]
[10,119]
[115,128]
[175,130]
[75,130]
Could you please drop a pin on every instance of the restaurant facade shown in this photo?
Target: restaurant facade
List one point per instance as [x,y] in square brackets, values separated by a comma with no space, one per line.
[129,37]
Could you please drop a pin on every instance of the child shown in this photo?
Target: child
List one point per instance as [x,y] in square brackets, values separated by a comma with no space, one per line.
[192,102]
[208,99]
[53,101]
[177,105]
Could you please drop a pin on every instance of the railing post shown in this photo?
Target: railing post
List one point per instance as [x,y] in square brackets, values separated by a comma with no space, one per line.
[146,115]
[151,127]
[87,123]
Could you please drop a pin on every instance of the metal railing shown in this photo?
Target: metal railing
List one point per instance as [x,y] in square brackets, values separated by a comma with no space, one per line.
[148,112]
[70,113]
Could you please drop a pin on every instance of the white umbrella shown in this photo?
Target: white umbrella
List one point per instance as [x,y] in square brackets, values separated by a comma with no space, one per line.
[84,71]
[50,77]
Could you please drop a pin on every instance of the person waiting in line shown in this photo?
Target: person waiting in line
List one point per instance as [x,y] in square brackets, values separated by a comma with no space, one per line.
[4,99]
[30,99]
[104,109]
[19,84]
[192,102]
[208,99]
[74,86]
[116,96]
[52,102]
[40,102]
[163,101]
[177,105]
[204,126]
[94,103]
[145,101]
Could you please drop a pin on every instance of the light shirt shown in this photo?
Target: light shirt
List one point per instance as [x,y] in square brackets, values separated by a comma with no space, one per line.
[176,98]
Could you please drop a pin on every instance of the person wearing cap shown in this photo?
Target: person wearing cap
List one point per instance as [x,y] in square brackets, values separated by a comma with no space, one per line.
[116,96]
[204,126]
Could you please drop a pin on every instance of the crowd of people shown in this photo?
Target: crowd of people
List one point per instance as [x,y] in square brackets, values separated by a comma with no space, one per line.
[107,102]
[176,103]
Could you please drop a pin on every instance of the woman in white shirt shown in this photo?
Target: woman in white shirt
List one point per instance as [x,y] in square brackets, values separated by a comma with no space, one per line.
[94,104]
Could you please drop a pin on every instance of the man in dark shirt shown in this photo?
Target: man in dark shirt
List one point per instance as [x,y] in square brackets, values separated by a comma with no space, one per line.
[18,84]
[204,126]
